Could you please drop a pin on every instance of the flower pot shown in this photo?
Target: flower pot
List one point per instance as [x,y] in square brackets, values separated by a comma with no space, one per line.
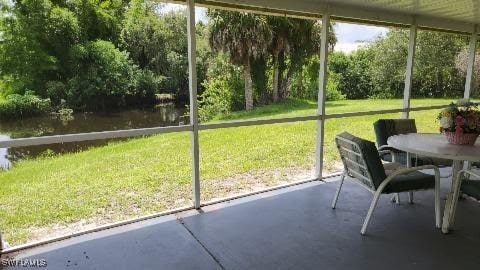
[463,139]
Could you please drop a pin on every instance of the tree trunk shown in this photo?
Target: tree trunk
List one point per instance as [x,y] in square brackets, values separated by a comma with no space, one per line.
[276,75]
[294,66]
[287,82]
[247,77]
[300,82]
[281,79]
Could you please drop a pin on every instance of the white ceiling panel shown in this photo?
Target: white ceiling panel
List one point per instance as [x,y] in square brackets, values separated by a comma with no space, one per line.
[454,15]
[464,10]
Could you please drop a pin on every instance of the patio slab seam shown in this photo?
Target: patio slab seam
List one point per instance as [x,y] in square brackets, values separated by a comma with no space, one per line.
[217,261]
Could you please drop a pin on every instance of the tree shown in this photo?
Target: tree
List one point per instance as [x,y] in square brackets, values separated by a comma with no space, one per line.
[142,36]
[69,50]
[224,89]
[103,78]
[25,61]
[435,73]
[461,63]
[37,36]
[303,40]
[282,36]
[99,19]
[353,73]
[388,63]
[244,37]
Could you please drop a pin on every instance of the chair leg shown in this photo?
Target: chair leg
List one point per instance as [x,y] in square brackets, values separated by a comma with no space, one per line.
[438,220]
[370,212]
[457,192]
[409,165]
[468,166]
[335,199]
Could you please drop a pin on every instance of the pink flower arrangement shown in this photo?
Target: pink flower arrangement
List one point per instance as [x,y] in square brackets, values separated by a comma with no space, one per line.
[462,117]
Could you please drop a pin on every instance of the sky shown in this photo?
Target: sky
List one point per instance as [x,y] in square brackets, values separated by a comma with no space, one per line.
[349,36]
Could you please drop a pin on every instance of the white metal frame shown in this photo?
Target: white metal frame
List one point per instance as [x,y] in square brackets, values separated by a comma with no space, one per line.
[116,134]
[471,64]
[322,89]
[407,93]
[378,191]
[331,11]
[412,42]
[192,84]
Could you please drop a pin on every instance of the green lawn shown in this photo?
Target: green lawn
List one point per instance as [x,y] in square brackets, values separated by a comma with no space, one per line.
[291,108]
[145,175]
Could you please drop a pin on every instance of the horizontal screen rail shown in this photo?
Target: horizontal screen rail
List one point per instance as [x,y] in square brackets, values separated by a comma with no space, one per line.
[364,113]
[426,108]
[91,136]
[78,137]
[258,122]
[361,113]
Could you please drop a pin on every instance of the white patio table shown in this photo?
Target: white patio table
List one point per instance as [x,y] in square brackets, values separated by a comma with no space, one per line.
[436,145]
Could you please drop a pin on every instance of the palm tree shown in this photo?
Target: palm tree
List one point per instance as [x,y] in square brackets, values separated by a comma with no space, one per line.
[282,33]
[244,37]
[304,42]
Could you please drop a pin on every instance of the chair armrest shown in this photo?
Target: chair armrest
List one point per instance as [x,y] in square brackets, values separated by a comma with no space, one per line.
[469,172]
[388,148]
[406,171]
[385,150]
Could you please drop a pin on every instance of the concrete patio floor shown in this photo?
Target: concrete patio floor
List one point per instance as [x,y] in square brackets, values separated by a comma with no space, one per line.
[292,228]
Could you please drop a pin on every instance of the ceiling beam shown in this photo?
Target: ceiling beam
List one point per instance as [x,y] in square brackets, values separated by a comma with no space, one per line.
[342,12]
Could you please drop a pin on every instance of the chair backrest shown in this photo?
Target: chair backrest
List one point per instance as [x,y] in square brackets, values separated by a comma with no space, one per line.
[471,186]
[361,160]
[385,128]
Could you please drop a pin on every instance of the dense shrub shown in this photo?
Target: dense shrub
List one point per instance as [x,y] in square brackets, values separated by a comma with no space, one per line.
[308,89]
[145,85]
[105,78]
[215,99]
[223,89]
[56,91]
[434,73]
[307,80]
[352,74]
[18,106]
[333,91]
[176,73]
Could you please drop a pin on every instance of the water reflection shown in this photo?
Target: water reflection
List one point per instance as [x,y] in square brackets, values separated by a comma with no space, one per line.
[4,161]
[161,115]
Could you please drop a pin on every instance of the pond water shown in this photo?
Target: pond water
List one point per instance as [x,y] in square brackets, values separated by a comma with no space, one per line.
[161,115]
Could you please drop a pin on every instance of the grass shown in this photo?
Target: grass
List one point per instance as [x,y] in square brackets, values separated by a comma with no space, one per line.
[45,196]
[293,107]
